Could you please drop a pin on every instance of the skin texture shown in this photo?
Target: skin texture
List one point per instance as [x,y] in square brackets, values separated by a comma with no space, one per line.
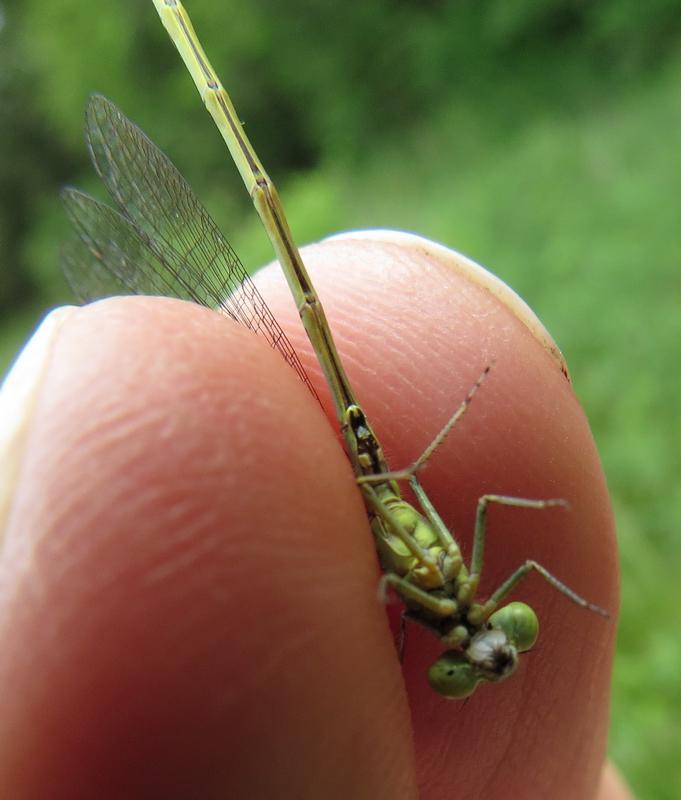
[188,593]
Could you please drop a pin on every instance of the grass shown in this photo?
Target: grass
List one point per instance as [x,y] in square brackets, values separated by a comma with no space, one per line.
[575,204]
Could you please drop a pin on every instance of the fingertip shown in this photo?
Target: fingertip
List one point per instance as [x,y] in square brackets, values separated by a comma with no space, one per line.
[471,271]
[18,394]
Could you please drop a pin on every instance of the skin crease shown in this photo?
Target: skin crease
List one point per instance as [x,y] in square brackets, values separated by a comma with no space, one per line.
[188,601]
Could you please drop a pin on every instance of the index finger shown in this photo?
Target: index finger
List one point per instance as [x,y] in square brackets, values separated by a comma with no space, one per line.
[188,597]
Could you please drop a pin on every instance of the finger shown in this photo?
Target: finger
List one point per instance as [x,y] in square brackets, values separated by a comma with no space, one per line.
[416,327]
[188,597]
[612,786]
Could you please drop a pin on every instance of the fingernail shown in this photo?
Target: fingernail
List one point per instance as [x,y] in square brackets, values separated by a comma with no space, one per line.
[474,272]
[18,396]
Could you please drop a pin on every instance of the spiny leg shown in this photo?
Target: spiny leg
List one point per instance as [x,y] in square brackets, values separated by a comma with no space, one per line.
[412,594]
[524,569]
[402,636]
[480,531]
[423,556]
[421,461]
[470,579]
[445,537]
[436,521]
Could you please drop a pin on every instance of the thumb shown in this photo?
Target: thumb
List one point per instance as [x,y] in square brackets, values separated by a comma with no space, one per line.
[416,324]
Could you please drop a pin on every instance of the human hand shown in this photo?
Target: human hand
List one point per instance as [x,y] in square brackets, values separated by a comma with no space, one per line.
[189,604]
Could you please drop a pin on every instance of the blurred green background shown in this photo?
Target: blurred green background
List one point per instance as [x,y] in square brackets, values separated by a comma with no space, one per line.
[541,139]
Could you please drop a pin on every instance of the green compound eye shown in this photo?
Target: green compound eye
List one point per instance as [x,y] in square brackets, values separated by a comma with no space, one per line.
[519,622]
[452,675]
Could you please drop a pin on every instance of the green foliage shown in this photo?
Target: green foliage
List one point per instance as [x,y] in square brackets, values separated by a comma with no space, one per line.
[324,81]
[540,138]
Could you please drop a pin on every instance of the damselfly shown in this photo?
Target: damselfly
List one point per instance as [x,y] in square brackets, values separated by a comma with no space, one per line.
[160,240]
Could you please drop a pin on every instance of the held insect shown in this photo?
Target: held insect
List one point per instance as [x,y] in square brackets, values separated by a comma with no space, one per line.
[161,240]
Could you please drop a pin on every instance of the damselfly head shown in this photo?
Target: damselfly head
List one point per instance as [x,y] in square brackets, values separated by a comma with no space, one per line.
[491,655]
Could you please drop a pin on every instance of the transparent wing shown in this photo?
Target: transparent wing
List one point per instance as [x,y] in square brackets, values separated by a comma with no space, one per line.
[111,255]
[85,274]
[161,240]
